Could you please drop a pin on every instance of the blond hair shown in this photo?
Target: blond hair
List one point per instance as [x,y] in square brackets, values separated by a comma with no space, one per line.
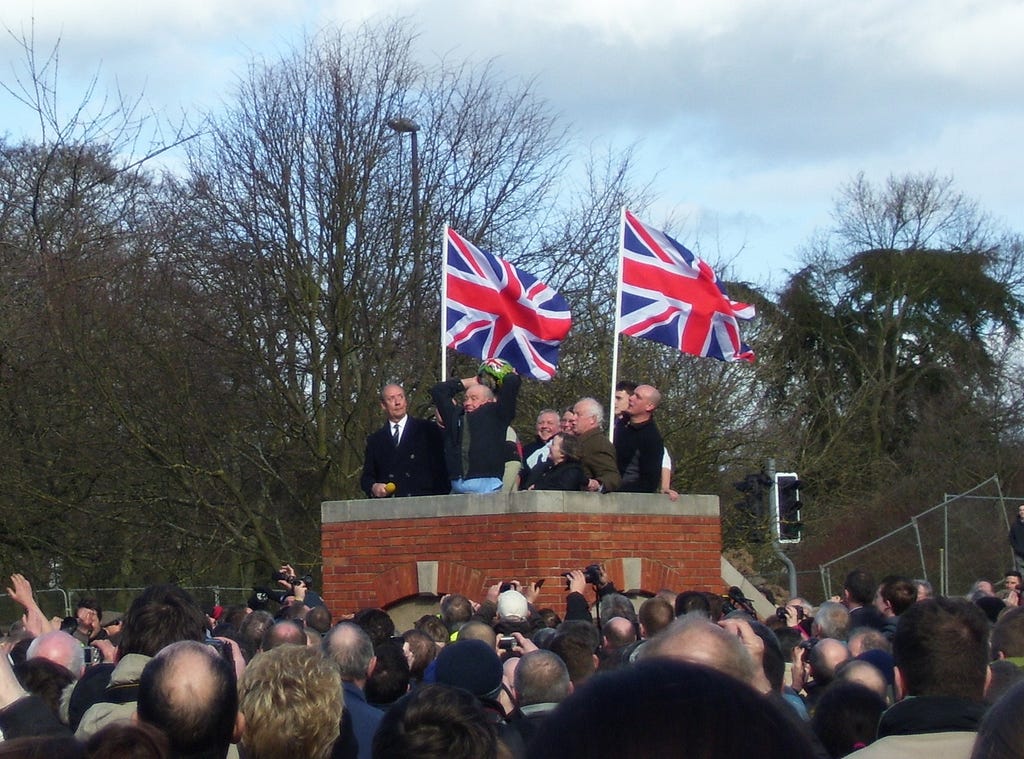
[291,699]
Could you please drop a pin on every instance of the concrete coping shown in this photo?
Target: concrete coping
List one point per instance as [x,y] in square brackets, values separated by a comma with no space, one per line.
[531,502]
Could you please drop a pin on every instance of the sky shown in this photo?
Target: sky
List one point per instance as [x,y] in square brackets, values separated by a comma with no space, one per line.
[748,116]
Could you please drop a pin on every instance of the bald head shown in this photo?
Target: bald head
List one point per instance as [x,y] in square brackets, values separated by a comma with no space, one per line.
[351,649]
[642,402]
[189,691]
[863,673]
[826,657]
[695,639]
[476,396]
[282,632]
[618,632]
[60,648]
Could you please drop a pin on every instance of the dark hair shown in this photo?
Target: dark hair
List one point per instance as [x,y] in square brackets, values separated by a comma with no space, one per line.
[252,629]
[390,678]
[432,626]
[90,603]
[941,648]
[655,615]
[570,446]
[423,649]
[1005,674]
[789,638]
[319,618]
[899,591]
[234,615]
[548,617]
[1008,634]
[436,722]
[126,740]
[159,616]
[582,630]
[41,747]
[773,661]
[1001,733]
[673,708]
[377,623]
[541,677]
[846,717]
[196,727]
[577,653]
[455,609]
[626,385]
[41,677]
[692,600]
[861,586]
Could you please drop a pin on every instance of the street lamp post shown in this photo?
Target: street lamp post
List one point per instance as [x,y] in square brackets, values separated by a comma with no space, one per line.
[404,125]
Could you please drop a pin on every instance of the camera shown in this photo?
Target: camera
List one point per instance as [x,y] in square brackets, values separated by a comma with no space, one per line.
[292,579]
[92,655]
[591,573]
[783,615]
[808,645]
[506,642]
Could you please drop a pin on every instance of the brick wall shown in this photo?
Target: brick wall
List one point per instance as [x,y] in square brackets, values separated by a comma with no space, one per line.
[380,552]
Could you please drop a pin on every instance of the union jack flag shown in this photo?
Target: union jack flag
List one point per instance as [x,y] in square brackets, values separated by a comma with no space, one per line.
[494,310]
[670,296]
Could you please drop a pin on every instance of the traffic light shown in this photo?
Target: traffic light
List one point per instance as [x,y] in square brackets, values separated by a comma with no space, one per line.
[787,497]
[755,494]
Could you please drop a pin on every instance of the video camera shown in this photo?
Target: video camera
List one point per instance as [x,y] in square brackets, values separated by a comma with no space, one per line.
[591,573]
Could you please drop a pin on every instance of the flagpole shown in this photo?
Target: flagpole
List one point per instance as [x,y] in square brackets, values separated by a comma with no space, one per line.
[615,335]
[444,300]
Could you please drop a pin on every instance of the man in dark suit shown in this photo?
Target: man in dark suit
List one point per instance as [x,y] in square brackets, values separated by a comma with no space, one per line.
[406,452]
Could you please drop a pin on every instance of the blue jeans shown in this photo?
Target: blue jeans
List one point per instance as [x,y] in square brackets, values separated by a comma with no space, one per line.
[477,485]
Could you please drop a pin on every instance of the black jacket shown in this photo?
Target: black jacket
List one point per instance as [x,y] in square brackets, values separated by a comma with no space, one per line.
[416,466]
[565,476]
[639,451]
[487,427]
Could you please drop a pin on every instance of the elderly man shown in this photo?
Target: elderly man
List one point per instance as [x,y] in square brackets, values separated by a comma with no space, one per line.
[351,650]
[536,453]
[475,432]
[639,449]
[405,456]
[597,454]
[190,692]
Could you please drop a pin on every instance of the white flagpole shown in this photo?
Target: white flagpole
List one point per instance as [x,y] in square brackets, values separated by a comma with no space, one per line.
[444,301]
[615,335]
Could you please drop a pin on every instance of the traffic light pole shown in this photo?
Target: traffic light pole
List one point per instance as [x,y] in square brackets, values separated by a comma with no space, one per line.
[773,499]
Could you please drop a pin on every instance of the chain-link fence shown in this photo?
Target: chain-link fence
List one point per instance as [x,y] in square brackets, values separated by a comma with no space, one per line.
[61,602]
[951,544]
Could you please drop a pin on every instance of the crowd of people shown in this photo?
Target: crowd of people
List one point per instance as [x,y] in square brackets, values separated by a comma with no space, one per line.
[888,669]
[472,447]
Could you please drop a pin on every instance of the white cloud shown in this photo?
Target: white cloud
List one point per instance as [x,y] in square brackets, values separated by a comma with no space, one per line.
[749,113]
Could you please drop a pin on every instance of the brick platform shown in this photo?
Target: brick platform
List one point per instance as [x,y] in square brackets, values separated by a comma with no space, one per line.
[381,552]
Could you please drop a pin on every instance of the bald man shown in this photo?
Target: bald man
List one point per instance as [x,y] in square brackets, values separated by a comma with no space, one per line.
[190,692]
[639,449]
